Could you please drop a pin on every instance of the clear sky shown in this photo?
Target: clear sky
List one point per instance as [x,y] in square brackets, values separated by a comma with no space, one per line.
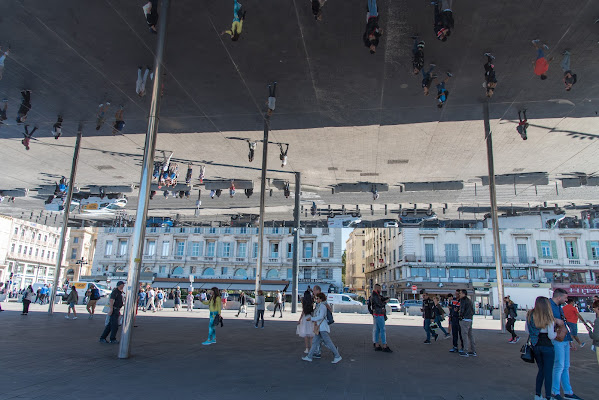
[345,235]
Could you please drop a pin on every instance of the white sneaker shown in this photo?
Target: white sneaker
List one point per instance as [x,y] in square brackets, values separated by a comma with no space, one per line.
[336,360]
[306,351]
[67,317]
[306,358]
[74,317]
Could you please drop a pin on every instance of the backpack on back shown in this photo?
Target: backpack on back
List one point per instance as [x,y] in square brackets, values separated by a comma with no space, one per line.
[330,319]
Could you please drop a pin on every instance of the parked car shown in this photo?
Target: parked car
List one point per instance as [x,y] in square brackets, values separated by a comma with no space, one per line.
[394,304]
[391,224]
[410,303]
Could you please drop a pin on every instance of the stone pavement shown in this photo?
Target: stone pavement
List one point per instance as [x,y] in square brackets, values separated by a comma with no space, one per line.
[47,357]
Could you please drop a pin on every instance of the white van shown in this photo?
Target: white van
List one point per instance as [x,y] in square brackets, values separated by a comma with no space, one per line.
[83,286]
[340,298]
[343,221]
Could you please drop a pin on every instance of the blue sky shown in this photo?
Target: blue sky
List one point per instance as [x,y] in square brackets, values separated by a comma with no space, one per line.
[345,235]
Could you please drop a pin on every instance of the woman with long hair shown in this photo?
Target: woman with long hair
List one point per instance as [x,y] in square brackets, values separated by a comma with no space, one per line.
[72,301]
[214,305]
[305,327]
[28,297]
[540,325]
[321,330]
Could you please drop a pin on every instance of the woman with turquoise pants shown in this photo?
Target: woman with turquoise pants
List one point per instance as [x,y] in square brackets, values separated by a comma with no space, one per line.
[215,308]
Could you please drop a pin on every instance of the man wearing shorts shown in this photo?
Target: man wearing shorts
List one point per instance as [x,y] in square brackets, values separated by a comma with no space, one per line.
[94,296]
[572,316]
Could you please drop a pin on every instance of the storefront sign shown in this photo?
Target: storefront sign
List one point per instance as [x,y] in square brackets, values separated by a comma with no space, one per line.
[522,284]
[584,289]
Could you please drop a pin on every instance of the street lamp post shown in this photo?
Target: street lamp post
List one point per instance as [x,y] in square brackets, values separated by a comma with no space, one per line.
[81,263]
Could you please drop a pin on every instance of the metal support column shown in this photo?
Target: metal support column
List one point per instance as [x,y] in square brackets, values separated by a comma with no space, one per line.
[139,229]
[493,195]
[262,200]
[296,232]
[65,220]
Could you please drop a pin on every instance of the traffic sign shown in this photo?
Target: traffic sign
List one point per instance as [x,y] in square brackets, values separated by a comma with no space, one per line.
[414,289]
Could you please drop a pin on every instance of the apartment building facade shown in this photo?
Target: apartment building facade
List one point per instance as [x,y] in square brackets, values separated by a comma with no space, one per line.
[79,256]
[440,260]
[355,262]
[28,251]
[227,254]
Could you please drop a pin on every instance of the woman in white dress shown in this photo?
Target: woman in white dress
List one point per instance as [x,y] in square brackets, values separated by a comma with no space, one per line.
[305,328]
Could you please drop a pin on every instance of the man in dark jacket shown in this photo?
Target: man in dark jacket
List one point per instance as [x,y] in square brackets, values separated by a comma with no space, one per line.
[429,316]
[454,321]
[373,32]
[466,316]
[114,304]
[377,306]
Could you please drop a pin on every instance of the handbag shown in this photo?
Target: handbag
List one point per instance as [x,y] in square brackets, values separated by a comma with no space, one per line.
[561,329]
[106,308]
[526,353]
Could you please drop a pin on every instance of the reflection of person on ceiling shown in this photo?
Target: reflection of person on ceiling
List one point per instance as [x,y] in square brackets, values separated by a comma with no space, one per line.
[238,17]
[373,32]
[283,155]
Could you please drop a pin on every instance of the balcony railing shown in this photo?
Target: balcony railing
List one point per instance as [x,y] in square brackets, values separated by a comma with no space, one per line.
[468,260]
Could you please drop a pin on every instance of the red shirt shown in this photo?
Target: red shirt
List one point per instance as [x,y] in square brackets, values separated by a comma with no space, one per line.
[541,66]
[571,313]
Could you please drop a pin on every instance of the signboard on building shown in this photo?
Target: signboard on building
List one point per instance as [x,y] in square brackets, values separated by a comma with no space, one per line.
[584,290]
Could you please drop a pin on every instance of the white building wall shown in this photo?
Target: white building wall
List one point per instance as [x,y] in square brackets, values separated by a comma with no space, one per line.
[32,266]
[235,266]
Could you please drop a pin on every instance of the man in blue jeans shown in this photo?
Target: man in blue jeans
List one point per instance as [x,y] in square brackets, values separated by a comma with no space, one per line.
[428,315]
[115,303]
[377,306]
[561,364]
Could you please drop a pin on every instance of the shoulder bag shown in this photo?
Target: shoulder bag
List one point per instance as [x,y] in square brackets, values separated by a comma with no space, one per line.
[526,353]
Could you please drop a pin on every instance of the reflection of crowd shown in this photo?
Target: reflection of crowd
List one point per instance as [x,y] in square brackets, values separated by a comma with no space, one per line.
[60,190]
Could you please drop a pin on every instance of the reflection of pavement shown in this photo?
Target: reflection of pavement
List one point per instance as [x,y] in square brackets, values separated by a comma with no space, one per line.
[167,358]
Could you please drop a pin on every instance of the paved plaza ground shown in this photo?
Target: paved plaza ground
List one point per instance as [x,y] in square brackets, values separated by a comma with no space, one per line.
[48,357]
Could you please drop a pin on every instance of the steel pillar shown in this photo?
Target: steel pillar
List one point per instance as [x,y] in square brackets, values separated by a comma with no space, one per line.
[262,200]
[493,195]
[65,219]
[139,229]
[296,232]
